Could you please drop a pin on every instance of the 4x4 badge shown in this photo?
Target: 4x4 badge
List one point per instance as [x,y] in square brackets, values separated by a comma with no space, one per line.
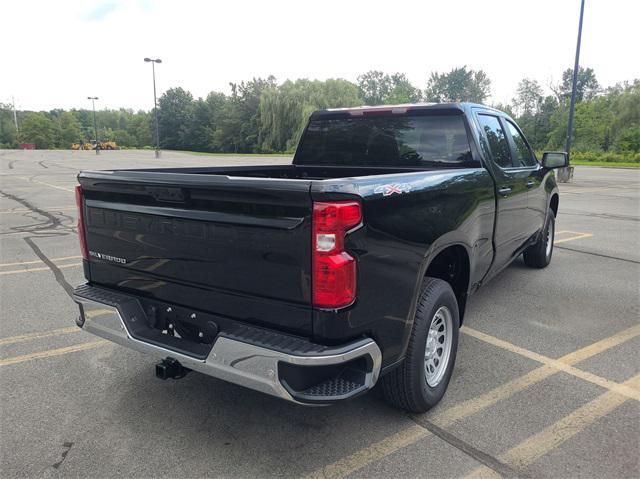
[395,188]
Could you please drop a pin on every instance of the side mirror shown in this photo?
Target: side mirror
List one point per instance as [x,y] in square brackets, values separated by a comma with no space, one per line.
[555,159]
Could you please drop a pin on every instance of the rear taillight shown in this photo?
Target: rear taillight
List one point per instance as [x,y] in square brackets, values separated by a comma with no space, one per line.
[81,224]
[334,270]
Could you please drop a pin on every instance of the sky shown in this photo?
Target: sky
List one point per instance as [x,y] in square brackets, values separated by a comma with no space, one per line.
[56,53]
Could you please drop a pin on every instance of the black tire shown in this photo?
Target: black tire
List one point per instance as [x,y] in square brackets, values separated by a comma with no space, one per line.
[537,255]
[406,386]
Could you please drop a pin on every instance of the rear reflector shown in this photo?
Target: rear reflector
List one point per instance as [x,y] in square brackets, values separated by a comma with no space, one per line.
[81,223]
[334,270]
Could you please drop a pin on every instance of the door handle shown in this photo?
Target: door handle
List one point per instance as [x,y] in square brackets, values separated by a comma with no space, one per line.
[530,184]
[504,191]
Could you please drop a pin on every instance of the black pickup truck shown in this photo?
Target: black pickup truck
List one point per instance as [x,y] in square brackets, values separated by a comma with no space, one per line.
[317,280]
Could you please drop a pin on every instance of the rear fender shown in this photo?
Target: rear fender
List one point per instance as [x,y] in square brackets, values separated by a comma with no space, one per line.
[453,238]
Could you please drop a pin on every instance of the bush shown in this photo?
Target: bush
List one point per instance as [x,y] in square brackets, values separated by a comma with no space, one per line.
[605,156]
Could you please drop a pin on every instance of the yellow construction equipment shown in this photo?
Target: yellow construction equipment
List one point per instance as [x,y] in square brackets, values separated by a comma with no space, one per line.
[104,145]
[108,145]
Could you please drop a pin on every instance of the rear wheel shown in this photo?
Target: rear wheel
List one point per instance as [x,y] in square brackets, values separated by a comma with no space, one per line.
[539,254]
[421,380]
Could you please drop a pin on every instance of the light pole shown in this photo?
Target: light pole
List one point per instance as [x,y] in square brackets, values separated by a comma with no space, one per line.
[155,102]
[95,125]
[15,117]
[576,67]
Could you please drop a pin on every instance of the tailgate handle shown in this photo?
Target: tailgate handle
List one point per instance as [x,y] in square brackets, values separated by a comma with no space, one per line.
[162,193]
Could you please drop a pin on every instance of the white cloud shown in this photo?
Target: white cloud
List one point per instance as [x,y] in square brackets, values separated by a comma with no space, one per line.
[61,52]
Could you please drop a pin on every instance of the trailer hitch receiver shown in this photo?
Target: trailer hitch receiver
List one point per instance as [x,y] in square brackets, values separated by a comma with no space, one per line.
[170,368]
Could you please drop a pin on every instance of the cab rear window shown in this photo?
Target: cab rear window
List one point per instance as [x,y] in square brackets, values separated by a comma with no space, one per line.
[393,141]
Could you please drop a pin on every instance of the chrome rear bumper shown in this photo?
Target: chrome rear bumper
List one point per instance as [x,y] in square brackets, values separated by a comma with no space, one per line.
[238,362]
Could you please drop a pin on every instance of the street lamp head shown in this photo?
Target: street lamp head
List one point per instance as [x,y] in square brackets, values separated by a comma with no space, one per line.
[157,60]
[147,59]
[154,60]
[92,98]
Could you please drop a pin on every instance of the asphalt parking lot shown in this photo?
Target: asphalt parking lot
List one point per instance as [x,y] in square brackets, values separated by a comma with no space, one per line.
[547,381]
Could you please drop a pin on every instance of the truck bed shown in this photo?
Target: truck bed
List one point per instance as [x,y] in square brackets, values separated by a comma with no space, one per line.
[228,241]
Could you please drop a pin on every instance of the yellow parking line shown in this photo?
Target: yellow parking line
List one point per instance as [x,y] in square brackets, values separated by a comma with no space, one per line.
[38,335]
[19,263]
[52,352]
[45,184]
[556,364]
[504,391]
[573,238]
[52,332]
[382,449]
[32,270]
[540,444]
[483,401]
[601,346]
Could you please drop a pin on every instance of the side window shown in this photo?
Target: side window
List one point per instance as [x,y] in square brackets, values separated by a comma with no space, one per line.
[524,157]
[497,140]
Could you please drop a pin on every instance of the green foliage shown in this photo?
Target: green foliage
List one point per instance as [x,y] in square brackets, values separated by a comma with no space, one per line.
[8,138]
[403,91]
[587,86]
[70,130]
[261,116]
[284,110]
[460,84]
[528,98]
[175,113]
[604,157]
[608,122]
[38,128]
[379,88]
[628,139]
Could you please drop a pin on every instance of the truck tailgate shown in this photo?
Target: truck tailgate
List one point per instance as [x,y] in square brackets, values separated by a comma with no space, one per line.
[230,246]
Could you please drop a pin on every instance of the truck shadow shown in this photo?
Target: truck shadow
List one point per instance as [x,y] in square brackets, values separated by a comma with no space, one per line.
[246,433]
[220,421]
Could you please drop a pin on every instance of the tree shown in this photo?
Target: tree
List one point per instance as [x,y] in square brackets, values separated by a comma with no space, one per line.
[628,139]
[238,129]
[460,84]
[505,107]
[284,110]
[203,119]
[261,116]
[174,113]
[538,133]
[70,130]
[374,87]
[587,86]
[141,128]
[38,128]
[379,88]
[123,138]
[402,90]
[625,127]
[528,97]
[7,127]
